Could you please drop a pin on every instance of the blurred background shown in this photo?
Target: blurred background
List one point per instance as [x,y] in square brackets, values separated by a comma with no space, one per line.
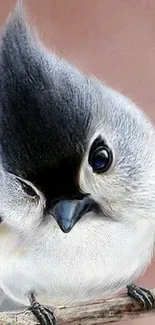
[113,39]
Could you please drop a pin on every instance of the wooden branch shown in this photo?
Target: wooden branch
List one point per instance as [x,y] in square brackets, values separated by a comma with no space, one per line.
[92,313]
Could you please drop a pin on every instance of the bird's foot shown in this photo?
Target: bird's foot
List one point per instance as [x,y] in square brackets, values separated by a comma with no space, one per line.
[44,315]
[142,295]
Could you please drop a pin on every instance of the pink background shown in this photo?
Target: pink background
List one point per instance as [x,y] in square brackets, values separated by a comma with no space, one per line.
[115,40]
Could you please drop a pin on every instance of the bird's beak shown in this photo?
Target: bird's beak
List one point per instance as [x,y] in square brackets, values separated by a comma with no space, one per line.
[68,212]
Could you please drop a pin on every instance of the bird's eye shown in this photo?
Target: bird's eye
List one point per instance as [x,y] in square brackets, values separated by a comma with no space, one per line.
[28,189]
[100,158]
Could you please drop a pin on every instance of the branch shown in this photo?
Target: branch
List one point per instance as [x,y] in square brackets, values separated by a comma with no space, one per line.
[92,313]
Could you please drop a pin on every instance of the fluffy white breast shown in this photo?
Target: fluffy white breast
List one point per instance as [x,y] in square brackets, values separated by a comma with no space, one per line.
[95,259]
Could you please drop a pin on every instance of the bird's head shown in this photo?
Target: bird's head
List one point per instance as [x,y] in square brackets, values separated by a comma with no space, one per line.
[72,149]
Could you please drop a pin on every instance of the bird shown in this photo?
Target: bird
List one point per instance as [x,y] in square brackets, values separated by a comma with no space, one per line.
[77,180]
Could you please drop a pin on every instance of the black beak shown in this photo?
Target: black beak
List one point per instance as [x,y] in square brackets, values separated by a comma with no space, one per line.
[68,212]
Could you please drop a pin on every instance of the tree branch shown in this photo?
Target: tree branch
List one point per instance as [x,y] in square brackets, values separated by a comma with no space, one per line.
[92,313]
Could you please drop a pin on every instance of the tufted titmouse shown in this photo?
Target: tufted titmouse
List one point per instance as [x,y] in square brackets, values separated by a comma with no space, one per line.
[77,180]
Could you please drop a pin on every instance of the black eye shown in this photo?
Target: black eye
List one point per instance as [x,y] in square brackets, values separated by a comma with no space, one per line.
[100,158]
[27,189]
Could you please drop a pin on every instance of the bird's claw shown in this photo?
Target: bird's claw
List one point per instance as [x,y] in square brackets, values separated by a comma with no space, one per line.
[142,295]
[44,315]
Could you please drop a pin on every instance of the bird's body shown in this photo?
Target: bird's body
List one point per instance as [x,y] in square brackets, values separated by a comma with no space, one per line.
[77,178]
[73,268]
